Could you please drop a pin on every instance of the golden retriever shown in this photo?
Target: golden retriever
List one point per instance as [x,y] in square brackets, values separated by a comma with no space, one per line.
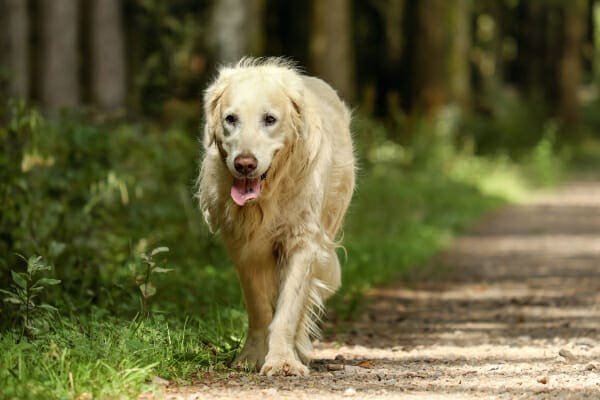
[276,180]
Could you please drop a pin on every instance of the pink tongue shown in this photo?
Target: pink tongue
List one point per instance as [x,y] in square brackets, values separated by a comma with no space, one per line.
[244,190]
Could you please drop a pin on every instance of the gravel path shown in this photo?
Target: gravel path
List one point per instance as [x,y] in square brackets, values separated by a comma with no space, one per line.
[516,314]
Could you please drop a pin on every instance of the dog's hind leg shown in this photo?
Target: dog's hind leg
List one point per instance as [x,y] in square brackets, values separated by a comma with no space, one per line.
[308,329]
[329,274]
[326,281]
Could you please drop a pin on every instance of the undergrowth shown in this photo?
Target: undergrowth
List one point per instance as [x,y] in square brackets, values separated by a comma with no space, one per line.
[102,203]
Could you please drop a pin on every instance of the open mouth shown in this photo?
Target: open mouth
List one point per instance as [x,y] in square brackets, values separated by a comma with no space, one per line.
[245,189]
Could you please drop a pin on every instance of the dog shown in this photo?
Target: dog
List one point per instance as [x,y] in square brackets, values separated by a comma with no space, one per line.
[276,180]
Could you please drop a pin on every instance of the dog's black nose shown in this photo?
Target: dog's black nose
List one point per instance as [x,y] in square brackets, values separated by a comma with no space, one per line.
[245,164]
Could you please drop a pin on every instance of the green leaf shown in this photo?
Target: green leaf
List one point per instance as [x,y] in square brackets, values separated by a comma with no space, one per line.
[158,250]
[19,278]
[148,289]
[36,263]
[47,307]
[13,300]
[159,270]
[48,281]
[8,293]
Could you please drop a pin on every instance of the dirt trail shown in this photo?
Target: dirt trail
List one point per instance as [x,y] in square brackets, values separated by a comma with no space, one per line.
[517,314]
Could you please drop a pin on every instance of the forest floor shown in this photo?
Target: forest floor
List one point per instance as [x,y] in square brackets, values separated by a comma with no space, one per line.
[514,313]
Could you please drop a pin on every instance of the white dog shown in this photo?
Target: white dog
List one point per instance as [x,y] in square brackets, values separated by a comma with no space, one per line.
[276,180]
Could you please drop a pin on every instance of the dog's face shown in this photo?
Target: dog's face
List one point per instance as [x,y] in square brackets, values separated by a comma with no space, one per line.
[250,117]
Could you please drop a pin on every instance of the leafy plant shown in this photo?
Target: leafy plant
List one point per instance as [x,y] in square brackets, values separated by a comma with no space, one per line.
[142,279]
[26,288]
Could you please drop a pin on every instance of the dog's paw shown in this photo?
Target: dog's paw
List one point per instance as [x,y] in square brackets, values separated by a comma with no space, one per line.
[252,356]
[249,360]
[283,366]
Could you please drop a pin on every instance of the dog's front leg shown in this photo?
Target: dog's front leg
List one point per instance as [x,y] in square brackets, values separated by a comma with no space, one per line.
[259,283]
[291,305]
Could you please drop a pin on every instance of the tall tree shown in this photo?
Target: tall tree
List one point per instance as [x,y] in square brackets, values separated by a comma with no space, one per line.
[238,29]
[60,54]
[429,90]
[570,62]
[15,46]
[391,13]
[459,66]
[331,52]
[540,37]
[107,54]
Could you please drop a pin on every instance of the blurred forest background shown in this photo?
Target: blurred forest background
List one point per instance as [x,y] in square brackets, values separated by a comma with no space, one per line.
[105,262]
[152,58]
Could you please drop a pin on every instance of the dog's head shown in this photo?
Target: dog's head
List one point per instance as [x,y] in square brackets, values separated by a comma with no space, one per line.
[252,112]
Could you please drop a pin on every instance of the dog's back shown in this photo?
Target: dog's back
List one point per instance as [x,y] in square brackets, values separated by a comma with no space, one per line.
[336,122]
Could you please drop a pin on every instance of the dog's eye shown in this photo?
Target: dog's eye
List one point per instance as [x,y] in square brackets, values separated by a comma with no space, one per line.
[231,119]
[269,120]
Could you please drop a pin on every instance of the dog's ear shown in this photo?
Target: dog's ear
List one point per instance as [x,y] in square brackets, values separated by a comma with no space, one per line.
[306,125]
[212,109]
[298,112]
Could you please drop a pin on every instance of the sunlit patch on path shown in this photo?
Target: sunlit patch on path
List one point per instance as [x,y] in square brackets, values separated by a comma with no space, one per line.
[516,314]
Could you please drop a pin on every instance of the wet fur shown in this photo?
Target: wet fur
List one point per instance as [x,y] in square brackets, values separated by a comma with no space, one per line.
[283,243]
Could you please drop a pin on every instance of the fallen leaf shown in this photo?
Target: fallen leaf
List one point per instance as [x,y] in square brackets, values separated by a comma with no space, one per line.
[366,364]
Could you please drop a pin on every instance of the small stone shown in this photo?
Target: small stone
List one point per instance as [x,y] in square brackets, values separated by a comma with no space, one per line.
[542,379]
[335,367]
[352,369]
[270,391]
[591,367]
[350,392]
[157,380]
[567,355]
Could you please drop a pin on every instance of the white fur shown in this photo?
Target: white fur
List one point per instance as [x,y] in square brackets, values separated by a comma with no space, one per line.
[282,243]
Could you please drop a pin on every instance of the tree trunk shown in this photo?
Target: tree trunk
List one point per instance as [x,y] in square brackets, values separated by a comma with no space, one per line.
[238,29]
[108,54]
[60,59]
[569,69]
[391,13]
[331,52]
[429,91]
[532,45]
[492,75]
[596,41]
[459,66]
[539,48]
[15,46]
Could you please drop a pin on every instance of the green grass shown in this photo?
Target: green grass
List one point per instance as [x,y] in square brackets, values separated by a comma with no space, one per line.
[110,358]
[91,199]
